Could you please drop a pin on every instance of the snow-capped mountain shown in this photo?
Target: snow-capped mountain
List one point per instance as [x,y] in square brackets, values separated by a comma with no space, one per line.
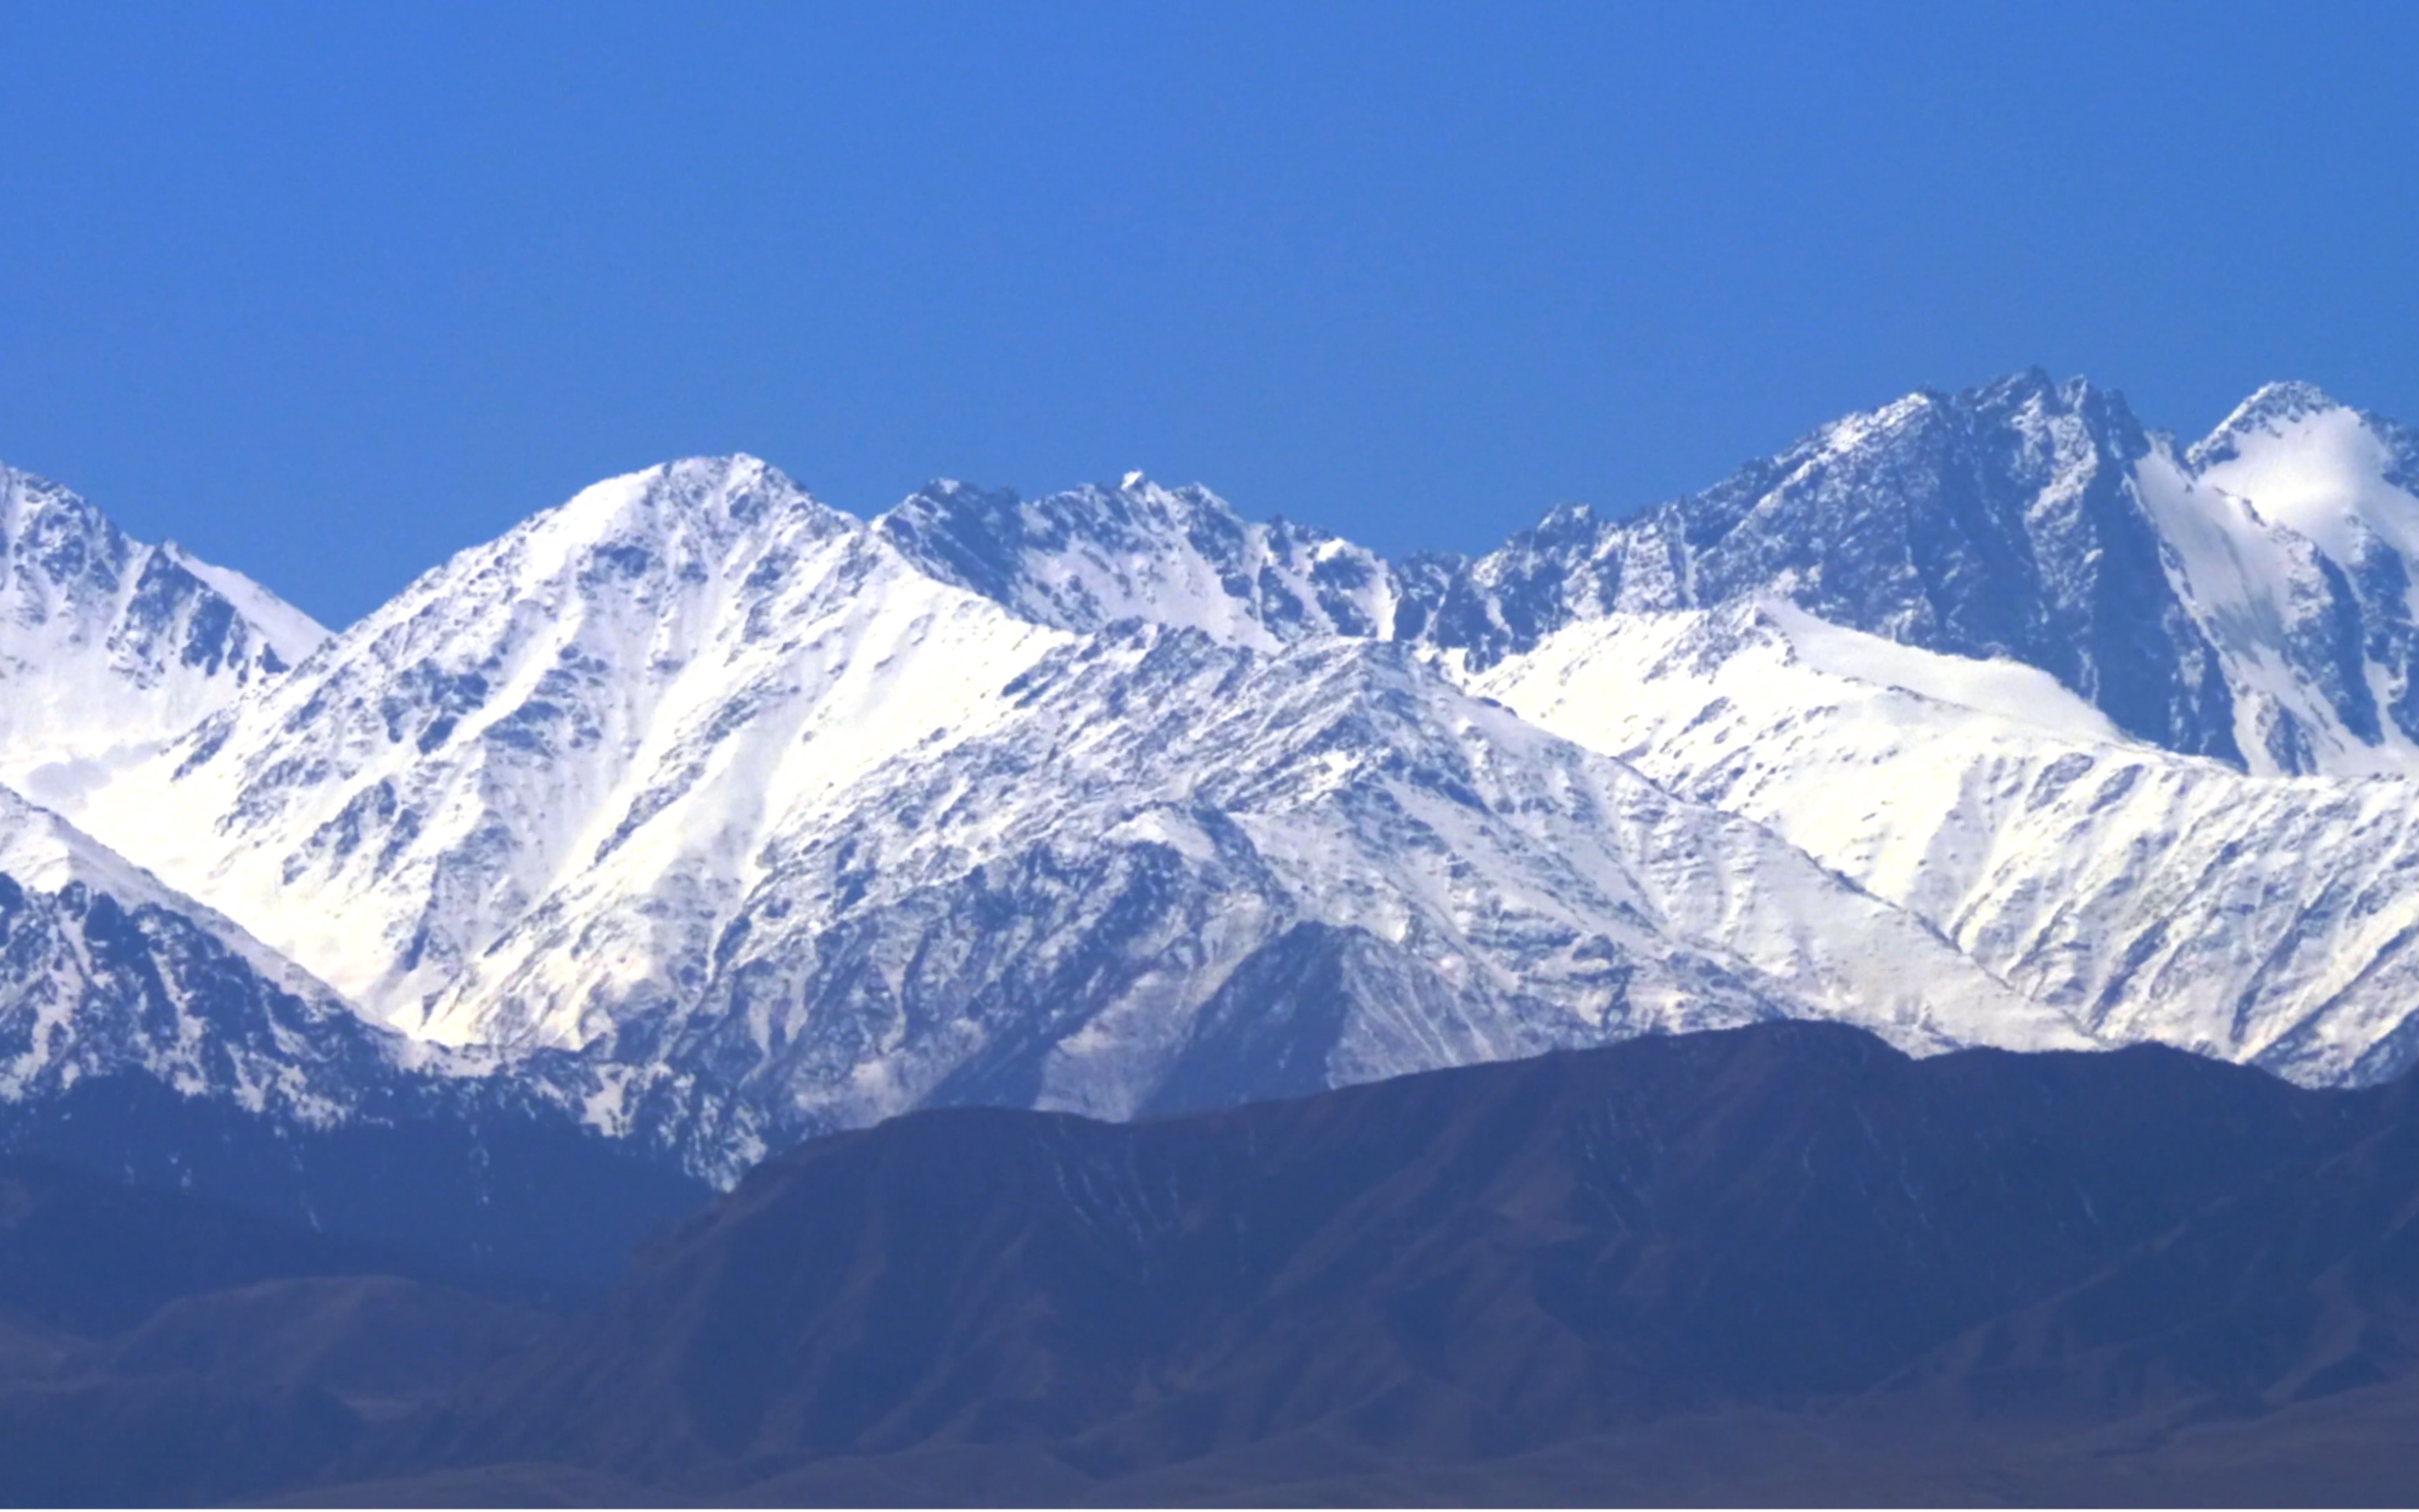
[619,696]
[2068,839]
[1180,873]
[109,647]
[2150,895]
[2248,598]
[730,792]
[2293,533]
[2003,522]
[1989,717]
[1954,606]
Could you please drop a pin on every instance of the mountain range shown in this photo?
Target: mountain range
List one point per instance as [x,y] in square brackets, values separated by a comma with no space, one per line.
[1887,979]
[693,818]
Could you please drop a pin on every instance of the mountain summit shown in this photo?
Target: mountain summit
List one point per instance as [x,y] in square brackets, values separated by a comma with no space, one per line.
[109,647]
[1087,558]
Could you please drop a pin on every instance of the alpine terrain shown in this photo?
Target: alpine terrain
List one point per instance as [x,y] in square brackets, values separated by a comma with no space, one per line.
[706,817]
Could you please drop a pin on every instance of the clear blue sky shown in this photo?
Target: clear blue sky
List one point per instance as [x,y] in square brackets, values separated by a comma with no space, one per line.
[329,291]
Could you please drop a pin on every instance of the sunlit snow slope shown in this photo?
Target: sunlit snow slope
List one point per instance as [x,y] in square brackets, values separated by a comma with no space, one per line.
[2151,895]
[1187,873]
[109,647]
[616,697]
[2131,724]
[105,971]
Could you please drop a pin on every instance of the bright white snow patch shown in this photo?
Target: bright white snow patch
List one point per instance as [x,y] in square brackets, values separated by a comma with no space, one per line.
[2323,476]
[2012,691]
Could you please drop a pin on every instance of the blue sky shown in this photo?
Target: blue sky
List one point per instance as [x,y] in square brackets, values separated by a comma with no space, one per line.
[330,291]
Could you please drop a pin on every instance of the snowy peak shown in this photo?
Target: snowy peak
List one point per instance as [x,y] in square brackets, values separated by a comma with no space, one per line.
[108,646]
[2292,534]
[2273,410]
[1995,523]
[2324,470]
[616,696]
[2028,414]
[677,521]
[1091,556]
[1963,522]
[458,742]
[70,568]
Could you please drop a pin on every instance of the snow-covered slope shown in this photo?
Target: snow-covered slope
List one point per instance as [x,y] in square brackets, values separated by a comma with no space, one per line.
[727,793]
[2294,537]
[105,971]
[1987,718]
[2002,522]
[109,647]
[1182,872]
[2153,896]
[1092,556]
[614,696]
